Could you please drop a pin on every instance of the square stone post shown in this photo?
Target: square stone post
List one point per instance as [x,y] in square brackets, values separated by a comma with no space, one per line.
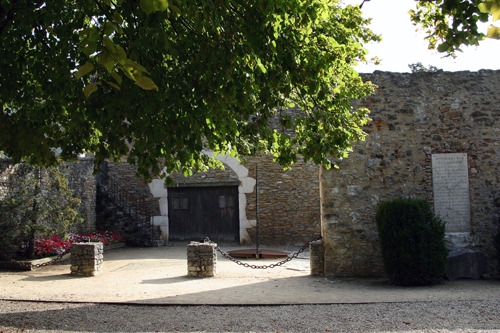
[202,259]
[86,258]
[317,258]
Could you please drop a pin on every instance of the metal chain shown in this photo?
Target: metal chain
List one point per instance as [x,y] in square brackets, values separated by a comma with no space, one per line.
[244,264]
[29,264]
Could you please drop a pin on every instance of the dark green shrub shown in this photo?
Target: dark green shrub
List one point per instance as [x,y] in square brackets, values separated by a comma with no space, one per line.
[412,241]
[38,203]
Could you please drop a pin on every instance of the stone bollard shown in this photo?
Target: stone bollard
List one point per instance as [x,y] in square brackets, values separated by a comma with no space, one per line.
[317,258]
[86,258]
[202,259]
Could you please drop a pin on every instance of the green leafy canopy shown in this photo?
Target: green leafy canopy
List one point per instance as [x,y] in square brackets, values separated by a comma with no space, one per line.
[161,81]
[451,24]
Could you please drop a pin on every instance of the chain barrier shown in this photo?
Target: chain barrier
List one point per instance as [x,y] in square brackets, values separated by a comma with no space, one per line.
[29,265]
[244,264]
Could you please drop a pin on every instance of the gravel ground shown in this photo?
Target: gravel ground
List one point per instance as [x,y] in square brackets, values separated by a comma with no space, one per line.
[439,316]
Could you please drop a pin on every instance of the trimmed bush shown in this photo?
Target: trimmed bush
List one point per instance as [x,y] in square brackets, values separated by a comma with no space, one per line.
[412,241]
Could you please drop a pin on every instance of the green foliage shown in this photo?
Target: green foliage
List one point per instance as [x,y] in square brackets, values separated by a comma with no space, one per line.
[420,68]
[38,202]
[450,24]
[159,80]
[496,244]
[412,242]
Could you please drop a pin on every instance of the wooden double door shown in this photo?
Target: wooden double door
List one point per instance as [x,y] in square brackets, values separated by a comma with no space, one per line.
[197,212]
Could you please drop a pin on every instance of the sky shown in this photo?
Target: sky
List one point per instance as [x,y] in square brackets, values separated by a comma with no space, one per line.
[401,45]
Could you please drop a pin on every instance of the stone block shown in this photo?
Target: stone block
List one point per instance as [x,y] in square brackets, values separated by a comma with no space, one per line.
[86,259]
[202,259]
[465,263]
[317,258]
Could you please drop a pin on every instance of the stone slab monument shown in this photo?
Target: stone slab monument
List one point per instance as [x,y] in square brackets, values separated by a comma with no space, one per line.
[450,179]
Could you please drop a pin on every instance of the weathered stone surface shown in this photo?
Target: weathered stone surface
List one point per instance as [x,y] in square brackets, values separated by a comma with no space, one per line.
[317,258]
[450,179]
[289,202]
[87,259]
[465,263]
[414,116]
[126,205]
[201,259]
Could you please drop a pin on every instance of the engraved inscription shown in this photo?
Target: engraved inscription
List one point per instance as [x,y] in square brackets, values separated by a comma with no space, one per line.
[450,180]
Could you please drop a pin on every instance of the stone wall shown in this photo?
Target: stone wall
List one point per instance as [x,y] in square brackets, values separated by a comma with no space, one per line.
[124,175]
[7,168]
[289,205]
[80,180]
[82,183]
[414,116]
[126,205]
[288,202]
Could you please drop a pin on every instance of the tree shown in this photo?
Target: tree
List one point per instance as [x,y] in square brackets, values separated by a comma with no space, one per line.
[450,24]
[38,202]
[158,80]
[419,68]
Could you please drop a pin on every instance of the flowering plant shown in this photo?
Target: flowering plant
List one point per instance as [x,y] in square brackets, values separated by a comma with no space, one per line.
[106,237]
[55,245]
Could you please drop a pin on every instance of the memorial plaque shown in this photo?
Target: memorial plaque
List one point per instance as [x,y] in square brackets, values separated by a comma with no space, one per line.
[450,179]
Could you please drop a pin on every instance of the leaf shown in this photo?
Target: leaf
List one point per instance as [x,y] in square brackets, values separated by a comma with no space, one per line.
[108,43]
[120,55]
[262,67]
[106,60]
[493,32]
[118,18]
[118,29]
[132,64]
[160,5]
[175,9]
[117,77]
[443,47]
[114,85]
[492,7]
[85,69]
[90,48]
[149,6]
[90,88]
[94,35]
[6,4]
[108,28]
[146,83]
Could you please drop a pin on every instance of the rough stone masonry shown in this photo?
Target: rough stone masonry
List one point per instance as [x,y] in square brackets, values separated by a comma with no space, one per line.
[87,258]
[414,116]
[202,259]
